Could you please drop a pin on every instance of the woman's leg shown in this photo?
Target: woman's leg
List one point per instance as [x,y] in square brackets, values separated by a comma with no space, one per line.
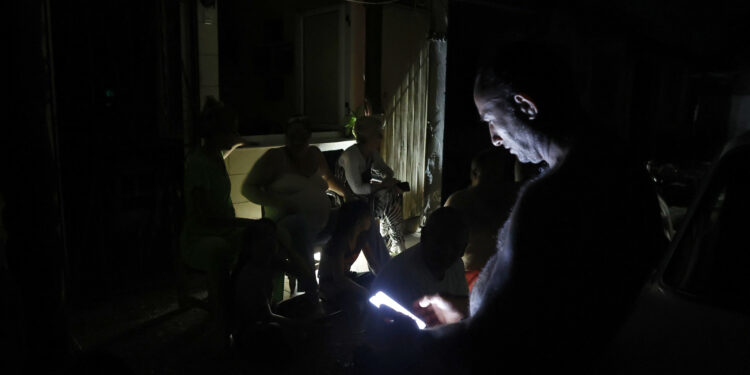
[388,209]
[294,235]
[375,250]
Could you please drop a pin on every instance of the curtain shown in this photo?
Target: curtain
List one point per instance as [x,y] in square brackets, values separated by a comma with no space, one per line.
[405,133]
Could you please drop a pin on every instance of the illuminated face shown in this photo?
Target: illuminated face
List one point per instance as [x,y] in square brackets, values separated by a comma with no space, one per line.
[509,131]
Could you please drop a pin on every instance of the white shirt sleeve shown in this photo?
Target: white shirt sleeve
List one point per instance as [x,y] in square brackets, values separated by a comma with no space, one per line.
[354,165]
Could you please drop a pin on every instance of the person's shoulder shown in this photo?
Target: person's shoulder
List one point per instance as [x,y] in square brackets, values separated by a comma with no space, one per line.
[460,199]
[273,155]
[410,256]
[314,152]
[399,262]
[398,271]
[351,153]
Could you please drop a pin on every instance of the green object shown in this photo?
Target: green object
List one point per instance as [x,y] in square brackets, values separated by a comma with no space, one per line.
[349,126]
[351,120]
[109,93]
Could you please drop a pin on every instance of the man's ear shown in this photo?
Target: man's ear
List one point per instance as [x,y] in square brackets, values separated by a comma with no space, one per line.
[526,105]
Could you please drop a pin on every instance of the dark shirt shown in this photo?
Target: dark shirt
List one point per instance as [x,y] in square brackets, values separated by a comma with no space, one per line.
[573,256]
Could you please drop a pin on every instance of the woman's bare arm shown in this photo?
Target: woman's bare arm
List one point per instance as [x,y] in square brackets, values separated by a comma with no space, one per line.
[333,183]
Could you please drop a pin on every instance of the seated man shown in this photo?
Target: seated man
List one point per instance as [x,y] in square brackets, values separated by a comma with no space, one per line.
[432,267]
[485,205]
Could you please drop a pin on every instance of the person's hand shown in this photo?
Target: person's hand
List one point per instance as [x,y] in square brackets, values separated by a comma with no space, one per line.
[436,310]
[394,327]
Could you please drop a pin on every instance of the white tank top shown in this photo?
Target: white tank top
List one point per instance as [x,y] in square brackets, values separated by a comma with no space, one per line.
[306,193]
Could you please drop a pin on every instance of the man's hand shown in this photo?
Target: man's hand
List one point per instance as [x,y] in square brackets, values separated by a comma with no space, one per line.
[436,310]
[393,328]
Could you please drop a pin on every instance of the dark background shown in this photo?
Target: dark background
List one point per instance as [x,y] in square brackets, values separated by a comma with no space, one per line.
[93,148]
[657,74]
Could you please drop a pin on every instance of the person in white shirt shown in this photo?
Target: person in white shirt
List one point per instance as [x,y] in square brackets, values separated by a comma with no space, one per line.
[368,177]
[290,182]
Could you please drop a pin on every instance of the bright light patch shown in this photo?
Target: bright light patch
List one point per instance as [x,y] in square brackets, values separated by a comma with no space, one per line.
[381,298]
[317,257]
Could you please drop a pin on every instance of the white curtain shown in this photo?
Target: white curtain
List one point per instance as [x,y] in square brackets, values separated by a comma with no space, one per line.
[406,131]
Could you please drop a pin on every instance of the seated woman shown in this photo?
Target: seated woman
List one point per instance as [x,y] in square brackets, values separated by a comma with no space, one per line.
[290,183]
[211,235]
[367,177]
[351,236]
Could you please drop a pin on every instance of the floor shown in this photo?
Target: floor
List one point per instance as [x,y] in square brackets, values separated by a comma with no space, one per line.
[153,335]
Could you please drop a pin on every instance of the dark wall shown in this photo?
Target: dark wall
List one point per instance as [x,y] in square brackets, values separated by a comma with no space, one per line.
[658,75]
[33,332]
[257,61]
[473,30]
[120,135]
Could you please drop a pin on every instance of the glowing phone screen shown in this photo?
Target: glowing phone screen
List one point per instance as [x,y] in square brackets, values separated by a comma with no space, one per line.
[381,298]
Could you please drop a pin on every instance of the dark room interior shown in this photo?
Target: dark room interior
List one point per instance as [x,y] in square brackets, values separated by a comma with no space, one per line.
[111,101]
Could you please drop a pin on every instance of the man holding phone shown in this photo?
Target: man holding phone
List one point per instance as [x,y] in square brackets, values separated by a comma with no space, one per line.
[580,242]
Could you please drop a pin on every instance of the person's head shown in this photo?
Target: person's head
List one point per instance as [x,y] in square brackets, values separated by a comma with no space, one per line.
[526,95]
[218,125]
[297,132]
[444,239]
[487,166]
[353,218]
[368,131]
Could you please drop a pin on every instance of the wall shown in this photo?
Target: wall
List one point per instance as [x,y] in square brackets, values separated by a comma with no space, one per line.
[258,54]
[404,95]
[208,52]
[405,32]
